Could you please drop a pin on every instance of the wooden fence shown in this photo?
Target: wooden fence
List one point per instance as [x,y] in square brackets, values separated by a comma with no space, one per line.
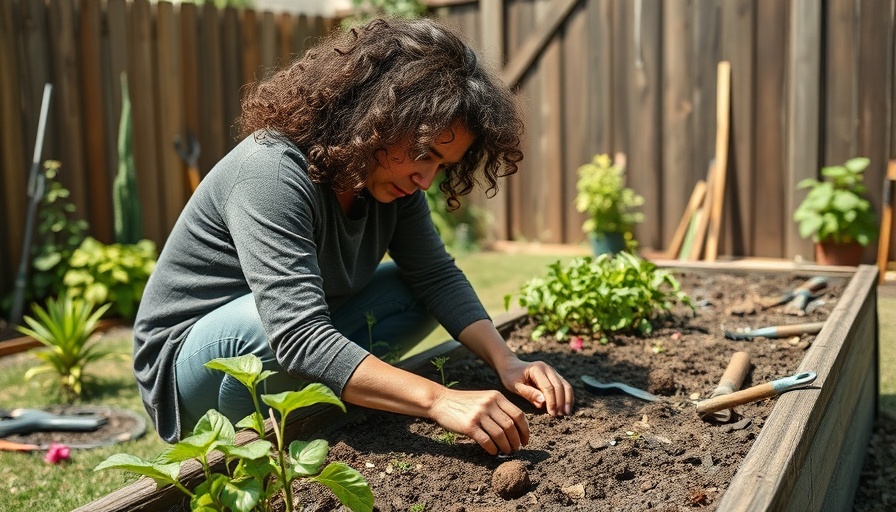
[812,85]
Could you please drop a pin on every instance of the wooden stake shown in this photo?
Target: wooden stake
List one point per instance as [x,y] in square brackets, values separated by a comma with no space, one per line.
[701,216]
[723,107]
[886,222]
[687,218]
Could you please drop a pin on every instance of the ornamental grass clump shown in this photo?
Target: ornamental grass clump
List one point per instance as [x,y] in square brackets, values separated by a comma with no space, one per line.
[258,471]
[65,328]
[600,297]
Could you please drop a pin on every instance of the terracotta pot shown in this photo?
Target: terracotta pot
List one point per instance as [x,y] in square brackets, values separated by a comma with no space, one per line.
[830,253]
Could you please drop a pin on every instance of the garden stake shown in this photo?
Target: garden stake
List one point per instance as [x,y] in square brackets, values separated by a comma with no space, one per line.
[731,381]
[755,393]
[778,331]
[36,186]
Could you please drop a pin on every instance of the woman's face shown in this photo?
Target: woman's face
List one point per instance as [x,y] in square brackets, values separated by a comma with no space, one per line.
[401,173]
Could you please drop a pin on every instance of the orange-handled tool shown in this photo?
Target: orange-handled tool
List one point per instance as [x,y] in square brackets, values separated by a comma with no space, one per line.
[755,393]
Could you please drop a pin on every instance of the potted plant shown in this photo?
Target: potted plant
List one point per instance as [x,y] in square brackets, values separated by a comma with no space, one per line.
[836,215]
[610,205]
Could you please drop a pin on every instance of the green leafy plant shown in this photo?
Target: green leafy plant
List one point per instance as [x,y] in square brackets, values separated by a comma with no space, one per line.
[835,210]
[58,235]
[365,10]
[439,363]
[65,327]
[115,273]
[600,296]
[261,470]
[602,194]
[460,229]
[418,507]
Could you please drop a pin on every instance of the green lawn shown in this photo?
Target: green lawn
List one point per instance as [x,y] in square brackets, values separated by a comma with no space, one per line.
[27,483]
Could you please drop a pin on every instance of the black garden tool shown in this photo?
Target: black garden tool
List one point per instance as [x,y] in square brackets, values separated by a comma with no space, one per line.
[23,421]
[777,331]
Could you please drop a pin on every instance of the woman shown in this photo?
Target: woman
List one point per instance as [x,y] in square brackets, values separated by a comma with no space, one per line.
[278,253]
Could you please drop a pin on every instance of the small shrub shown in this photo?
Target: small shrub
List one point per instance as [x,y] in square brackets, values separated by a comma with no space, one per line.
[65,327]
[835,209]
[600,296]
[115,273]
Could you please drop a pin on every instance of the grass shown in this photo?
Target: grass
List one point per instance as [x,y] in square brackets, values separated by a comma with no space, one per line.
[27,483]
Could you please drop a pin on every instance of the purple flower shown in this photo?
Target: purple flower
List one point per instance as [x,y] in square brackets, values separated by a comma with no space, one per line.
[57,453]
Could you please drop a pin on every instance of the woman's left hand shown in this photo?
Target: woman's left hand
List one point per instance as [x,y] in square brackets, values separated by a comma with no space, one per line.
[538,383]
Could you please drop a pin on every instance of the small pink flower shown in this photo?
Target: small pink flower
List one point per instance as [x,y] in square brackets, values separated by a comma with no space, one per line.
[676,336]
[57,453]
[575,343]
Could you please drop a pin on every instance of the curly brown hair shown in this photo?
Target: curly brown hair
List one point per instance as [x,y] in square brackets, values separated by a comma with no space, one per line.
[368,87]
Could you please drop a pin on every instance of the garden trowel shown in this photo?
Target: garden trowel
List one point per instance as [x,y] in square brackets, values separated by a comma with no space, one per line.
[797,298]
[610,387]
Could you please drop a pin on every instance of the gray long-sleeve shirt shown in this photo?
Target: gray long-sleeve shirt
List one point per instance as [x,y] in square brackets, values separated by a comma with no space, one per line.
[257,223]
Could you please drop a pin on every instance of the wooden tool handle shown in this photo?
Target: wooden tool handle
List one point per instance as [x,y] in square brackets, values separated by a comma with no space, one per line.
[797,329]
[730,400]
[734,374]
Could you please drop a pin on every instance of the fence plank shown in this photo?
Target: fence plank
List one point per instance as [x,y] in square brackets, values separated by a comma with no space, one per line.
[35,72]
[643,113]
[190,58]
[90,97]
[267,44]
[521,214]
[874,82]
[233,80]
[213,131]
[118,44]
[578,130]
[174,184]
[739,26]
[803,99]
[769,215]
[546,207]
[840,75]
[12,149]
[678,109]
[141,90]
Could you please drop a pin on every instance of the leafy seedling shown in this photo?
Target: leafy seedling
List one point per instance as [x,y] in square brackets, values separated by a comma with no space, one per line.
[439,362]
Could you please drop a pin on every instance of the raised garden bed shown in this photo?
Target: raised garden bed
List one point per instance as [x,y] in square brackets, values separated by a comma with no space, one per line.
[801,450]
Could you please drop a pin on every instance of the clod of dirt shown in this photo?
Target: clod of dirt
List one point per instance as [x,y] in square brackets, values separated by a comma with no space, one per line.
[511,480]
[661,381]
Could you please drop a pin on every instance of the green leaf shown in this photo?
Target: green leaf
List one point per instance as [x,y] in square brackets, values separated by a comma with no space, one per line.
[307,457]
[250,451]
[162,473]
[240,495]
[348,485]
[246,368]
[314,393]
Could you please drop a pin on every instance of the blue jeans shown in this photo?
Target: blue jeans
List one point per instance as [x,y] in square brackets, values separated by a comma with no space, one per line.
[235,329]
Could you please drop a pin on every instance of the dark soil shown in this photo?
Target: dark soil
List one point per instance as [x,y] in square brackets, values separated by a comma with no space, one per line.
[615,452]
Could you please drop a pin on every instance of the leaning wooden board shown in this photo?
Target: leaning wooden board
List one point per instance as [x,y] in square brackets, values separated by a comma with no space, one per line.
[808,455]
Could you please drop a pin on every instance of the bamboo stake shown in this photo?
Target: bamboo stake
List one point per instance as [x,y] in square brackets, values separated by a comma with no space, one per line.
[687,219]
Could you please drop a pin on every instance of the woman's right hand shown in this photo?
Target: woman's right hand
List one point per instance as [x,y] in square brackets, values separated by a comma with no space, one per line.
[487,417]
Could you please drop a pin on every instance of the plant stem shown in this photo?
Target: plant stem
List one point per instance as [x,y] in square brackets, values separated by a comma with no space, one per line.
[287,485]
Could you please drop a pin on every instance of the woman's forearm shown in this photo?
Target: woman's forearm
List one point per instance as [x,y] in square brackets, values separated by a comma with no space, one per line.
[485,341]
[379,385]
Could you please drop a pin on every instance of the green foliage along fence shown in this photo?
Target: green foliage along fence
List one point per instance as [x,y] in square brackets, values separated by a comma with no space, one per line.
[811,85]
